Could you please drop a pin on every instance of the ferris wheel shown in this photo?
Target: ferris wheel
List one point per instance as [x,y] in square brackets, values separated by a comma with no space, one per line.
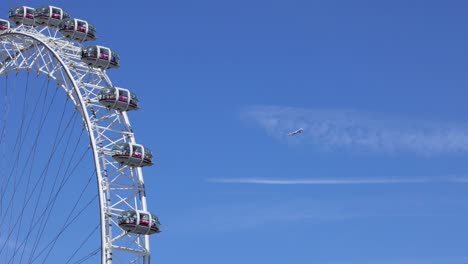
[49,43]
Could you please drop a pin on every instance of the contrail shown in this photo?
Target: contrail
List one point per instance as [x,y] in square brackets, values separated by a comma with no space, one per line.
[361,181]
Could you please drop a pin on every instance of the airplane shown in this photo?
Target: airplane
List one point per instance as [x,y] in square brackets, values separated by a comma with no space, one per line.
[296,132]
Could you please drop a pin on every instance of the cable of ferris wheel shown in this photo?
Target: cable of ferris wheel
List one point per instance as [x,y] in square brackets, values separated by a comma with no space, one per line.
[16,161]
[90,255]
[18,139]
[65,227]
[28,160]
[32,159]
[82,244]
[14,167]
[50,203]
[15,164]
[65,179]
[24,242]
[67,223]
[42,177]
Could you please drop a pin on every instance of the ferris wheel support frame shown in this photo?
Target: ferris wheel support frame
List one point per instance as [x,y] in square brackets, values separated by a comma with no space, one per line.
[96,120]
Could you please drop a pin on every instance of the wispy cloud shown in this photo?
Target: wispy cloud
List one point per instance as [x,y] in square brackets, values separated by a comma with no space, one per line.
[349,129]
[337,181]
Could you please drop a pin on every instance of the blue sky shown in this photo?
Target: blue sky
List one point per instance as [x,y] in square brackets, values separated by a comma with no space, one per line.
[379,174]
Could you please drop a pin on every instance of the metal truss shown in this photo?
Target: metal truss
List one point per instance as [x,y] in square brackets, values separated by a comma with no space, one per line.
[45,51]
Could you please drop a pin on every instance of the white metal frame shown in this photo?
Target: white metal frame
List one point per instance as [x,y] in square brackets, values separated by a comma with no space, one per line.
[121,188]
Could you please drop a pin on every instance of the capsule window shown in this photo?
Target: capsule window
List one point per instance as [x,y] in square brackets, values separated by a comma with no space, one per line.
[104,54]
[133,99]
[107,94]
[89,52]
[43,10]
[133,217]
[123,95]
[91,30]
[18,11]
[81,26]
[112,94]
[144,219]
[126,149]
[65,15]
[4,25]
[69,25]
[56,13]
[154,221]
[121,149]
[148,154]
[137,152]
[115,57]
[30,13]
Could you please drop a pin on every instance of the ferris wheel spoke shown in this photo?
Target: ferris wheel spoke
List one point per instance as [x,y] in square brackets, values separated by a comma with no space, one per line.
[46,213]
[87,257]
[43,177]
[70,214]
[82,243]
[17,159]
[18,139]
[15,185]
[33,147]
[6,184]
[27,201]
[71,220]
[52,196]
[30,160]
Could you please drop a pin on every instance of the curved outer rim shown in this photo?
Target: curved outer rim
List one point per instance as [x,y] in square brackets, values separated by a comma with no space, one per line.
[105,222]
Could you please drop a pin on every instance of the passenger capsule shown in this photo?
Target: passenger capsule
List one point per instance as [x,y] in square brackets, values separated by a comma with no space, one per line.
[133,155]
[118,99]
[100,57]
[77,29]
[22,15]
[50,16]
[4,25]
[139,222]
